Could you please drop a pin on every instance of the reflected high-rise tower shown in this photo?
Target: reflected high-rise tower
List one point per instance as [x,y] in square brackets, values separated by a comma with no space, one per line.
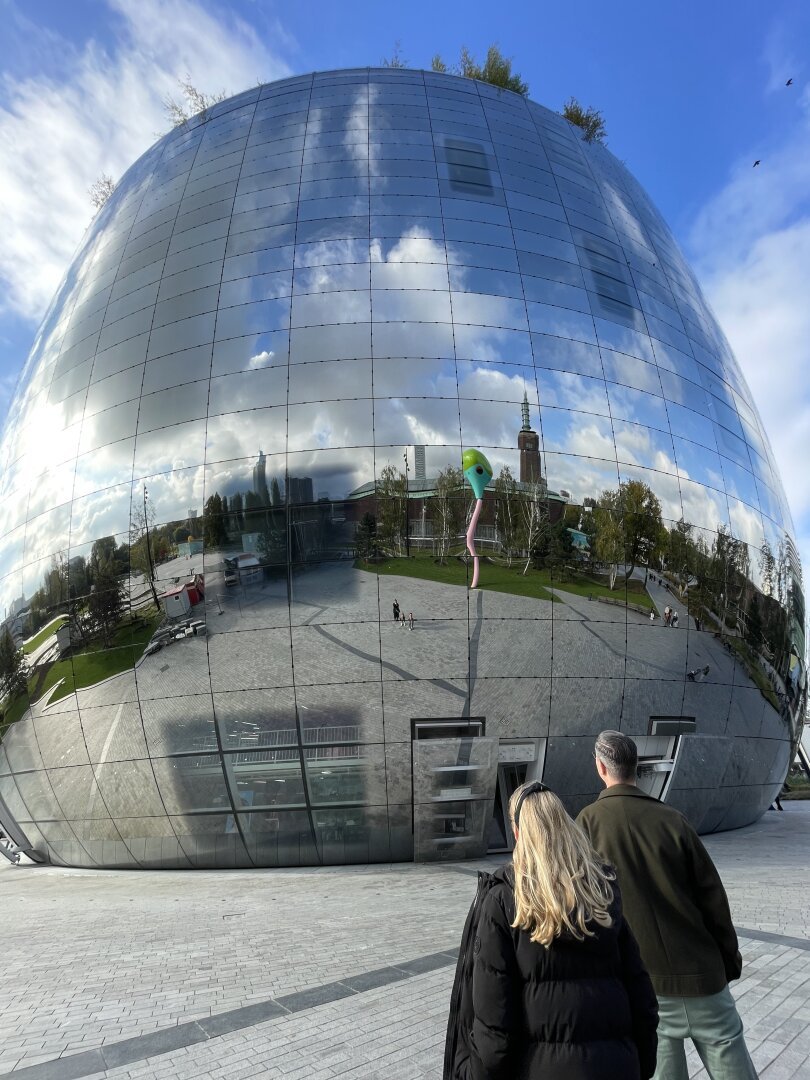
[260,488]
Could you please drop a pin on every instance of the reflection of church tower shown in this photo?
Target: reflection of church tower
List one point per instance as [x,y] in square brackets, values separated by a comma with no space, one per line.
[260,480]
[529,446]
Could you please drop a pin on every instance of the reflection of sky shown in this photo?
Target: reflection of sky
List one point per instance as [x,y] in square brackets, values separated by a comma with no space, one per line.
[397,312]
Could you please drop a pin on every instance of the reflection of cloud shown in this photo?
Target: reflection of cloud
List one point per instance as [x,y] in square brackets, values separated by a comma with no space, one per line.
[746,523]
[751,244]
[97,110]
[261,359]
[588,439]
[414,246]
[356,138]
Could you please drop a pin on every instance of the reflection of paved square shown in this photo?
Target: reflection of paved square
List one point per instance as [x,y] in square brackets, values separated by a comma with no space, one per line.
[219,974]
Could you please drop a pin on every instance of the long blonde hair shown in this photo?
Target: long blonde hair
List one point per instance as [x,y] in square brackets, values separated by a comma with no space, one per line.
[560,883]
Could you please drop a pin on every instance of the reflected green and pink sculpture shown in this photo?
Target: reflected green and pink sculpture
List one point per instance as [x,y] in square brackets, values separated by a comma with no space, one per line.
[479,473]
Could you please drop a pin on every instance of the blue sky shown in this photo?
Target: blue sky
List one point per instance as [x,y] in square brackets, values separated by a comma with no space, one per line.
[692,92]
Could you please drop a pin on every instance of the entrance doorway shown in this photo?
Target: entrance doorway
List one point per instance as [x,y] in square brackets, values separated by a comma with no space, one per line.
[519,760]
[510,777]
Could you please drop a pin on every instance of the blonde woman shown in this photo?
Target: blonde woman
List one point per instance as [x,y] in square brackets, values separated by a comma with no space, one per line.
[552,987]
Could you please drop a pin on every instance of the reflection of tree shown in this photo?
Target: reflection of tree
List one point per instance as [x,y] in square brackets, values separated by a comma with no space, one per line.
[679,550]
[141,543]
[728,571]
[272,542]
[720,580]
[255,512]
[392,496]
[365,537]
[608,540]
[637,511]
[448,508]
[507,517]
[533,518]
[105,550]
[558,550]
[13,667]
[52,595]
[753,623]
[214,535]
[237,521]
[105,604]
[767,567]
[790,599]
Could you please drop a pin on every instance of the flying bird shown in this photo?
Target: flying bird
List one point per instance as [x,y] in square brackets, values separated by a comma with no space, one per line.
[756,163]
[789,82]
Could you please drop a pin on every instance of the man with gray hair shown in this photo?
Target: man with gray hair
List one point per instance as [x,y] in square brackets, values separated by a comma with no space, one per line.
[676,906]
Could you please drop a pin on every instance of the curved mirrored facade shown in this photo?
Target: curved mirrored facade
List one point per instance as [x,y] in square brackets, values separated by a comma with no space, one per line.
[237,444]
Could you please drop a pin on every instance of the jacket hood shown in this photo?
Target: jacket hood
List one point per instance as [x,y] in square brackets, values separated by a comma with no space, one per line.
[504,875]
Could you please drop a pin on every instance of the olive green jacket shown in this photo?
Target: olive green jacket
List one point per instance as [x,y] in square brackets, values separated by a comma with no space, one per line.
[673,898]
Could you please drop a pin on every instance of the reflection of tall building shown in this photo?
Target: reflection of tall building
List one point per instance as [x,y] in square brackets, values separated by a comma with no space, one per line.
[299,489]
[419,462]
[529,447]
[260,479]
[15,606]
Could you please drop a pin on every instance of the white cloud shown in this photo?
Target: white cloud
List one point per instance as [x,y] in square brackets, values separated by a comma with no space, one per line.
[101,110]
[751,249]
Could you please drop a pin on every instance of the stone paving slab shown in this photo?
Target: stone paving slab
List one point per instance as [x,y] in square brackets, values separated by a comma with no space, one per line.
[94,959]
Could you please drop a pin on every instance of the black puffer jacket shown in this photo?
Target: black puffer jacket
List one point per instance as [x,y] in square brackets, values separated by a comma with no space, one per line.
[577,1010]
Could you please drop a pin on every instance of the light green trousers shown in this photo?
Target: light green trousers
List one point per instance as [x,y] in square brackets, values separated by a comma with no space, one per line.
[714,1026]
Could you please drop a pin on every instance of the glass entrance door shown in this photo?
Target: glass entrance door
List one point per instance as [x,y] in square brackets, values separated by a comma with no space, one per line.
[510,777]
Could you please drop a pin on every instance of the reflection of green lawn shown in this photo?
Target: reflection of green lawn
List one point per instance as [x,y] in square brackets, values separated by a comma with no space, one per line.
[95,663]
[754,669]
[632,592]
[499,577]
[454,572]
[13,713]
[43,635]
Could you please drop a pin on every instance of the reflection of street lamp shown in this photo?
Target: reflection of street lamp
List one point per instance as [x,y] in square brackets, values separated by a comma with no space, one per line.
[149,550]
[407,486]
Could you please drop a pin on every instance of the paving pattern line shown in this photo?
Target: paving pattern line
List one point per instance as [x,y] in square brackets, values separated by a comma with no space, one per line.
[165,1040]
[776,939]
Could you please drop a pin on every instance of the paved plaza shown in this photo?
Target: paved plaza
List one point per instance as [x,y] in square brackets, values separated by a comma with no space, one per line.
[337,972]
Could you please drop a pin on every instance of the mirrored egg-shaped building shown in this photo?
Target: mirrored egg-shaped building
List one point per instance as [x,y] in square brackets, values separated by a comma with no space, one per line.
[238,623]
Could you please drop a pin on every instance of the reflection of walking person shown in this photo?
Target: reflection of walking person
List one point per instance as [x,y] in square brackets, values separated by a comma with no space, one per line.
[401,619]
[667,615]
[396,610]
[410,620]
[698,674]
